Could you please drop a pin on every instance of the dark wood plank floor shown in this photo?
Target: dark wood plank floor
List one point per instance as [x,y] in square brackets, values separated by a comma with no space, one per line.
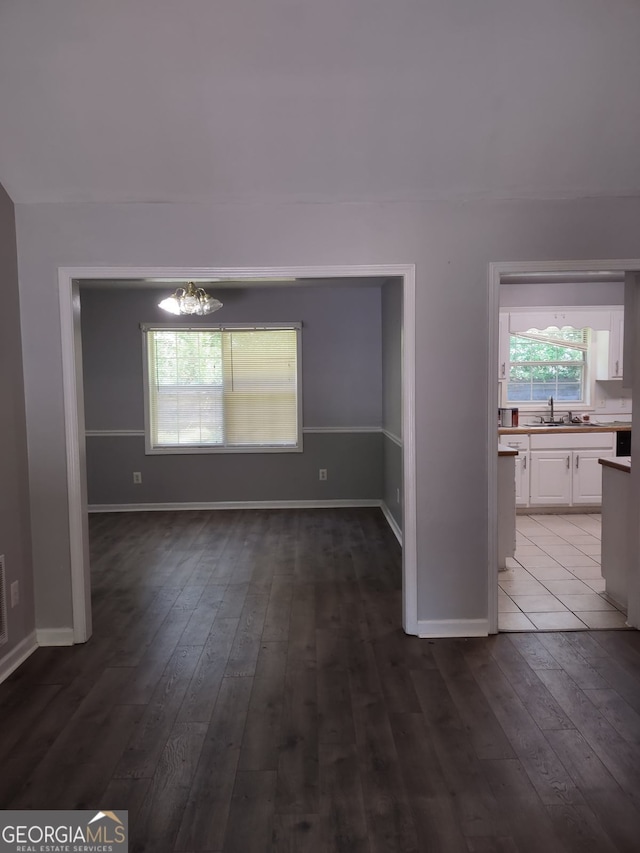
[248,688]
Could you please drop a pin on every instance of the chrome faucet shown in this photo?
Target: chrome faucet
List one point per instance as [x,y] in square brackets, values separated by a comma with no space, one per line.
[551,404]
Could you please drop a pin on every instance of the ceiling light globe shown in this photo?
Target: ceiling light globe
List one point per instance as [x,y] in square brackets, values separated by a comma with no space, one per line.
[190,304]
[190,300]
[170,304]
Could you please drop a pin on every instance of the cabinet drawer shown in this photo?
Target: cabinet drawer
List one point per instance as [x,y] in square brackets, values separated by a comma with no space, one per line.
[518,442]
[572,441]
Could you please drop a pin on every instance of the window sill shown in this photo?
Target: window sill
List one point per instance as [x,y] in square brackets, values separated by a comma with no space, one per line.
[199,451]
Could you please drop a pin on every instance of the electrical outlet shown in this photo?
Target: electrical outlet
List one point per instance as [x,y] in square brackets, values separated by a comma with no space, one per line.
[322,474]
[601,404]
[15,593]
[623,402]
[137,477]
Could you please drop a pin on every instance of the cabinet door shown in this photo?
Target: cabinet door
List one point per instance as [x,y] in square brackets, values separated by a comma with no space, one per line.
[616,340]
[522,479]
[550,477]
[587,477]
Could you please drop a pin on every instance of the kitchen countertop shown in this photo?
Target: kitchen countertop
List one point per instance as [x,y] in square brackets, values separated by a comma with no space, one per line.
[542,429]
[620,463]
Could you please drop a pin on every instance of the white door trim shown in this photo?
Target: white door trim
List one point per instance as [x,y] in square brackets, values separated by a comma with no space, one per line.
[496,270]
[68,278]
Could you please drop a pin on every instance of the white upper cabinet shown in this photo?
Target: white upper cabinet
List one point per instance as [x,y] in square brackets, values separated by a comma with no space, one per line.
[610,348]
[616,341]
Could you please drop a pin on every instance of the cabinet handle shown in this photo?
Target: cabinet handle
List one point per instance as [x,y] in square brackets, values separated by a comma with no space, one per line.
[568,462]
[577,460]
[617,370]
[524,463]
[503,369]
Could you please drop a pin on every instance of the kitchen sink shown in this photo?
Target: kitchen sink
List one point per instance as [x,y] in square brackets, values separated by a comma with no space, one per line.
[561,424]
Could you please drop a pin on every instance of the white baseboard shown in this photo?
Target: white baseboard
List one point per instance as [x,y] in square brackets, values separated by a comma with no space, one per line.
[170,507]
[54,636]
[393,524]
[559,509]
[17,655]
[430,628]
[174,507]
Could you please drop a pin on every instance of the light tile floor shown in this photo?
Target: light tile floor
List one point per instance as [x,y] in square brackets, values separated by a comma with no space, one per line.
[554,582]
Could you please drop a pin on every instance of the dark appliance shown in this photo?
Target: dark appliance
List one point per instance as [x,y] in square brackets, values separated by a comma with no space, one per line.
[623,442]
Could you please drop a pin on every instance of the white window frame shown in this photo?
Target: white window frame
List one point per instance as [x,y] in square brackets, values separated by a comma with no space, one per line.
[175,450]
[588,372]
[515,320]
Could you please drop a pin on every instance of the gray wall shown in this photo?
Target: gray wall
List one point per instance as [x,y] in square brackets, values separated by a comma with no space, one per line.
[392,395]
[392,462]
[353,461]
[451,244]
[15,535]
[341,388]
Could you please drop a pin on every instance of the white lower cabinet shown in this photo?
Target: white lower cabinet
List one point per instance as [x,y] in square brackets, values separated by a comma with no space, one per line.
[560,469]
[587,477]
[521,444]
[550,477]
[522,478]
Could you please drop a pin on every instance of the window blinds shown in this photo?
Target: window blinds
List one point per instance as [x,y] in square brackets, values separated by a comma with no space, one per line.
[222,388]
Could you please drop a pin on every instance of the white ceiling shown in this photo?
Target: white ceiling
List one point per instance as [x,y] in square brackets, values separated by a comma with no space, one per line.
[300,100]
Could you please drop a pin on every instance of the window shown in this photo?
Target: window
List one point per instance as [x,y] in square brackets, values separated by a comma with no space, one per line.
[212,389]
[547,363]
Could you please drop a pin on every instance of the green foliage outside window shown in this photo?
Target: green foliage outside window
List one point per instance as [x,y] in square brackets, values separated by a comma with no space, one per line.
[227,388]
[547,363]
[188,358]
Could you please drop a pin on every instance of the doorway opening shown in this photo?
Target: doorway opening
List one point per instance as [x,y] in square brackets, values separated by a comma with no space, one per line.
[546,276]
[70,312]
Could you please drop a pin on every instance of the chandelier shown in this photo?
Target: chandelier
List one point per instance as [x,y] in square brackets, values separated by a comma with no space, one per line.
[190,300]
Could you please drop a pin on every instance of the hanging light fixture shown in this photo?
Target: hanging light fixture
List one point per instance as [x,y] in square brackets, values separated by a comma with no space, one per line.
[190,300]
